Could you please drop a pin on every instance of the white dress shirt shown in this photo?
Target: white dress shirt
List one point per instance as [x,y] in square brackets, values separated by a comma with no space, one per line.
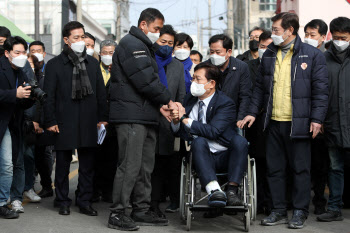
[213,145]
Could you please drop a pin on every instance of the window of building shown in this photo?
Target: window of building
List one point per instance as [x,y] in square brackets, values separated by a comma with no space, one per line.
[267,5]
[108,27]
[265,23]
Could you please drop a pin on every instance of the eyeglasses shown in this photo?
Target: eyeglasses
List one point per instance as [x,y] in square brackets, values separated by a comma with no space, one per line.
[107,53]
[254,37]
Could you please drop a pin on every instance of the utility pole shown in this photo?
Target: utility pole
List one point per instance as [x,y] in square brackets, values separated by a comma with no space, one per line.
[37,20]
[246,21]
[118,23]
[230,20]
[79,11]
[65,16]
[209,16]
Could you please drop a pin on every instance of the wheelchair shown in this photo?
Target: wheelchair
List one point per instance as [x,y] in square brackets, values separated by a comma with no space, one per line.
[191,198]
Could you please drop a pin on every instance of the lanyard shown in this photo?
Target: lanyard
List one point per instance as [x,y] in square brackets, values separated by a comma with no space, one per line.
[42,70]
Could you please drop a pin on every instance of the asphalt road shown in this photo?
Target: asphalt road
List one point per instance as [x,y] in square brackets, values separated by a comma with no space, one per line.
[44,218]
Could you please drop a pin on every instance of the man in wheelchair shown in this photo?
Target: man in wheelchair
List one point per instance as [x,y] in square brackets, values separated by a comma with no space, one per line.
[207,119]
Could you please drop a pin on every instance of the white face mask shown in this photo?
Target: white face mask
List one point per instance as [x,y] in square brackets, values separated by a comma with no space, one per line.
[311,42]
[341,45]
[261,52]
[19,61]
[277,40]
[198,89]
[40,56]
[90,51]
[217,60]
[182,54]
[153,36]
[78,47]
[106,59]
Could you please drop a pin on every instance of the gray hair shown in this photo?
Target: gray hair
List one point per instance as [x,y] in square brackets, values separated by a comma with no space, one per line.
[107,43]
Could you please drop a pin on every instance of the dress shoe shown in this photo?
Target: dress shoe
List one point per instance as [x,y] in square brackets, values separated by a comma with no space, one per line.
[45,193]
[217,198]
[88,210]
[64,210]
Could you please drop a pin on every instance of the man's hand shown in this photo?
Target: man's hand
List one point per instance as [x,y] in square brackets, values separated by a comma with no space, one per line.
[102,123]
[182,110]
[54,129]
[248,119]
[37,128]
[23,92]
[315,128]
[239,123]
[166,112]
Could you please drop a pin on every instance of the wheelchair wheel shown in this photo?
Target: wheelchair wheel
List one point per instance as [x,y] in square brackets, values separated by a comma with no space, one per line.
[189,219]
[254,185]
[246,220]
[183,190]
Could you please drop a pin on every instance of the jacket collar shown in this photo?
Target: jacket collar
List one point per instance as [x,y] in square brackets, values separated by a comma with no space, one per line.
[66,59]
[8,71]
[139,34]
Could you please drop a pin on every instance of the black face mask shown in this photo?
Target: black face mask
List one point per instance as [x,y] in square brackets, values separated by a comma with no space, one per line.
[253,45]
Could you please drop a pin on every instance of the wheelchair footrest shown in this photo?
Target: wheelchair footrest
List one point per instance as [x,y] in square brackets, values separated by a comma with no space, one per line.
[206,207]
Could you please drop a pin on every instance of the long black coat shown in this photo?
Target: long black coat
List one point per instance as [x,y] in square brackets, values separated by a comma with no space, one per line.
[76,119]
[337,123]
[11,108]
[177,89]
[136,92]
[309,87]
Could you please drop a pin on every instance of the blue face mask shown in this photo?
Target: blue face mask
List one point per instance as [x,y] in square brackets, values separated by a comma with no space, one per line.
[164,51]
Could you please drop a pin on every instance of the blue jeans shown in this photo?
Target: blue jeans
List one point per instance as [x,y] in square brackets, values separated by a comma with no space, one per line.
[6,167]
[29,166]
[336,178]
[18,181]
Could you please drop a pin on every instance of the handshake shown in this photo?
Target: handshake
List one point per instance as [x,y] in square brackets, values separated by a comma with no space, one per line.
[173,111]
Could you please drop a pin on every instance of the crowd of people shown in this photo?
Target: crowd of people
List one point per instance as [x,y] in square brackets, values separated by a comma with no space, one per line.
[153,93]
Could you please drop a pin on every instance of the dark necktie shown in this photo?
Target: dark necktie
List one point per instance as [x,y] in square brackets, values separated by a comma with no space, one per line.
[201,112]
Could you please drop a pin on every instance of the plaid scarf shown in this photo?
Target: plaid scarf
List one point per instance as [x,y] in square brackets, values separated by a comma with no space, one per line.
[81,85]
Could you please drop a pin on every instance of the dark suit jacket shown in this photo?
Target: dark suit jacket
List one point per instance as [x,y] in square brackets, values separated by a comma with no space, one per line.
[76,119]
[253,69]
[220,117]
[237,86]
[11,108]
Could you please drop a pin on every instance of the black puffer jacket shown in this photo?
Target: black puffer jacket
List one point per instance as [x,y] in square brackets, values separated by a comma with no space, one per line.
[337,123]
[136,92]
[309,87]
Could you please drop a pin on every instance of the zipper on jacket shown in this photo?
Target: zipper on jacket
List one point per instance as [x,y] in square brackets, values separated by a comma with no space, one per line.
[268,103]
[291,96]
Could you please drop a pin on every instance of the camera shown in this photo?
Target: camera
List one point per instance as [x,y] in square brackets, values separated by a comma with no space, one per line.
[36,92]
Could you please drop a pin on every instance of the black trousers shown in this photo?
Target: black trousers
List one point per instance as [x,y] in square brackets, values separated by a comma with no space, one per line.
[85,179]
[257,150]
[43,163]
[105,166]
[166,177]
[319,170]
[283,152]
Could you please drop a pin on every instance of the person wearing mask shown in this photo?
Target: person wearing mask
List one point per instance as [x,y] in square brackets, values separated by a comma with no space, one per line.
[182,50]
[75,108]
[235,80]
[4,34]
[316,33]
[167,166]
[292,90]
[90,45]
[215,144]
[196,57]
[336,125]
[14,98]
[43,147]
[252,53]
[106,159]
[255,134]
[136,96]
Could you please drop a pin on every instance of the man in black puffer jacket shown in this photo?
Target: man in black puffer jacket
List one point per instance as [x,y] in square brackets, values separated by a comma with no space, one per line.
[337,123]
[292,90]
[136,96]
